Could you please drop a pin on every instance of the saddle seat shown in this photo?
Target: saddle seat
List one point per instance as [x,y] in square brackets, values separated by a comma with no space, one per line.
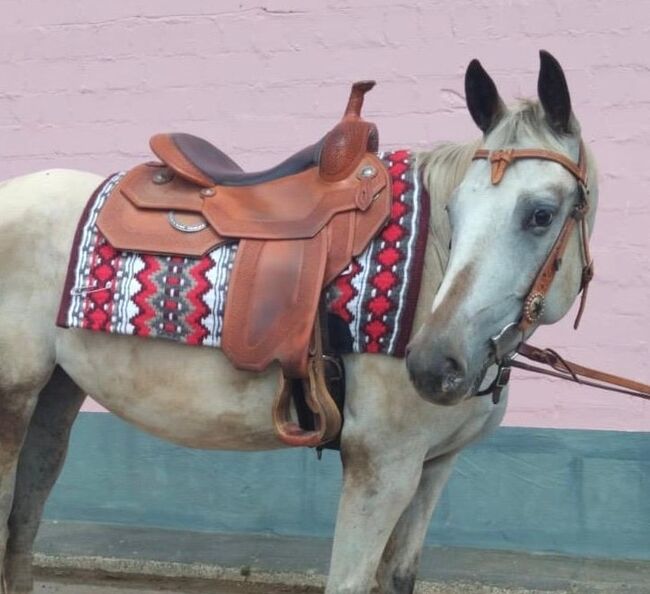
[297,226]
[337,154]
[200,161]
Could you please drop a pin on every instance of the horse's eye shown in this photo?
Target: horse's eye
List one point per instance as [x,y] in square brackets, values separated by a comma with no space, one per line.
[542,217]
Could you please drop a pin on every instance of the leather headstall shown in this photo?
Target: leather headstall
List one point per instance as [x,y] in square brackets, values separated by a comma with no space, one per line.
[534,302]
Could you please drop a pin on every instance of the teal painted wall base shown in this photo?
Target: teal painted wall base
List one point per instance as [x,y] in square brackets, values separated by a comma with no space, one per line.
[583,493]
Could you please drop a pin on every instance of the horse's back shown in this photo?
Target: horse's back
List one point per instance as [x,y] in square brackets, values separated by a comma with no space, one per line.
[38,218]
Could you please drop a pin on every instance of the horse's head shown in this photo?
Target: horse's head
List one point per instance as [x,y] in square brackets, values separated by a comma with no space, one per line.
[506,218]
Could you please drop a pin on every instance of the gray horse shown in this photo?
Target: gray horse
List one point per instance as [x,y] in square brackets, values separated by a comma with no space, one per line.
[399,443]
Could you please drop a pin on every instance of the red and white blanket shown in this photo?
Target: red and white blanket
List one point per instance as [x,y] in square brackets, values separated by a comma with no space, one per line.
[183,299]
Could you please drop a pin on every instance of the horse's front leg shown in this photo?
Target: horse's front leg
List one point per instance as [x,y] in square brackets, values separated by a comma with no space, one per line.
[378,484]
[401,558]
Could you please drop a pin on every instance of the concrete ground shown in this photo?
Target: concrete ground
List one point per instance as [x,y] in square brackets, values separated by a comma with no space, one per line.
[80,585]
[67,587]
[78,558]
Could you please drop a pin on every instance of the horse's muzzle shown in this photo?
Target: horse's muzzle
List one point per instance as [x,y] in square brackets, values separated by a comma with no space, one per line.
[438,377]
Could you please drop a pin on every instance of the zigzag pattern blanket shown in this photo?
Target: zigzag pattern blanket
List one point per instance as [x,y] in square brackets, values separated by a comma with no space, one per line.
[183,299]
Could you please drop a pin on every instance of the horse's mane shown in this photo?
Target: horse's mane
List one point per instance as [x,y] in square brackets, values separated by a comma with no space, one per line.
[443,168]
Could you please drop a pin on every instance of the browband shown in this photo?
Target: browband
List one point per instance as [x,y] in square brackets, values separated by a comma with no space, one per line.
[501,158]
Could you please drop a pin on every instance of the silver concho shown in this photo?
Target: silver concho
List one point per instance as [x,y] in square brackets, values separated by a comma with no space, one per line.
[162,176]
[534,307]
[367,172]
[195,228]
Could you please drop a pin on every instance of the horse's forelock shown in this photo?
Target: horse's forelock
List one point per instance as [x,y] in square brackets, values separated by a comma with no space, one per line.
[444,167]
[525,123]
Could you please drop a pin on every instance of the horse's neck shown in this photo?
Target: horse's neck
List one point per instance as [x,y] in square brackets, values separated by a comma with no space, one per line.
[432,273]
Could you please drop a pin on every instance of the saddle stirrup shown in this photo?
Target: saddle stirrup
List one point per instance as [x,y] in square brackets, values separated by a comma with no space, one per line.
[327,418]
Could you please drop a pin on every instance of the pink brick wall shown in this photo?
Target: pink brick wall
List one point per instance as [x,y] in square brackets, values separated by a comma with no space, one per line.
[84,84]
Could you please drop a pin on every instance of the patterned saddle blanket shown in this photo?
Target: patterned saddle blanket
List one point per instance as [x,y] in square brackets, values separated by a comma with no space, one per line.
[370,305]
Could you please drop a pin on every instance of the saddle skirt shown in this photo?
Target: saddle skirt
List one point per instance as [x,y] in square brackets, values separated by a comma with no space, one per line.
[126,276]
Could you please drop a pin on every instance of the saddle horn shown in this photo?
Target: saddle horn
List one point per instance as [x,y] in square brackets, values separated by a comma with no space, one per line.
[357,94]
[353,137]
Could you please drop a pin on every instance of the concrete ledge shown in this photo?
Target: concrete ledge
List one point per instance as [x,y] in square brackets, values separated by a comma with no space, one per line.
[265,559]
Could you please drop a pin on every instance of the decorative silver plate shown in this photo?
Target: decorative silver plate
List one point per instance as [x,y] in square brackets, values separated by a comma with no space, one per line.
[195,228]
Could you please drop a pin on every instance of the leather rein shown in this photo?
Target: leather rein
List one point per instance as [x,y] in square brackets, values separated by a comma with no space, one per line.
[512,336]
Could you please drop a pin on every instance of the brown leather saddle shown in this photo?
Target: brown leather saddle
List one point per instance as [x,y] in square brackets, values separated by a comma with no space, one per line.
[298,225]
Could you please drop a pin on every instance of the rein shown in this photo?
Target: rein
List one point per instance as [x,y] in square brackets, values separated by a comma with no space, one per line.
[511,338]
[574,372]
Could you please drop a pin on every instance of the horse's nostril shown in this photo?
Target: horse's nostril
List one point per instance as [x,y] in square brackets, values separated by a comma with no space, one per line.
[451,366]
[436,374]
[453,374]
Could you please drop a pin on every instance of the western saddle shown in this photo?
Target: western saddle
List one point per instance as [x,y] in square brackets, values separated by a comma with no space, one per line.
[298,225]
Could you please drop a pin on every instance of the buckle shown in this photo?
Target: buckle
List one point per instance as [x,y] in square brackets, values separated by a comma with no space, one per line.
[580,209]
[336,364]
[503,376]
[500,382]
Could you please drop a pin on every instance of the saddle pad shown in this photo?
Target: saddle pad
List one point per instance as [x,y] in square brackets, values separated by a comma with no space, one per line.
[183,299]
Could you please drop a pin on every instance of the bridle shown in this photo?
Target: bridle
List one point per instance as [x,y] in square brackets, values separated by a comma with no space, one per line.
[534,302]
[511,339]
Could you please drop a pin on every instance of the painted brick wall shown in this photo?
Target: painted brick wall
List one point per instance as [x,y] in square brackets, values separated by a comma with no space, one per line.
[84,84]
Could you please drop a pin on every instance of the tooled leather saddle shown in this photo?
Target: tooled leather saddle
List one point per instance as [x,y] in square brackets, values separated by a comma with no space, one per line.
[298,225]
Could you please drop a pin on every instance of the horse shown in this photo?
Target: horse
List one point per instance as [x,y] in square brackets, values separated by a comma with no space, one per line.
[405,422]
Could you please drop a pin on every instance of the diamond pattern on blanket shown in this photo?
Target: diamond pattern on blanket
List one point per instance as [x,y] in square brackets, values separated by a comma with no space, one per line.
[183,299]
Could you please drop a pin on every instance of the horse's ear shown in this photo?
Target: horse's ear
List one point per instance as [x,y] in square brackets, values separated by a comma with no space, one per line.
[553,93]
[482,97]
